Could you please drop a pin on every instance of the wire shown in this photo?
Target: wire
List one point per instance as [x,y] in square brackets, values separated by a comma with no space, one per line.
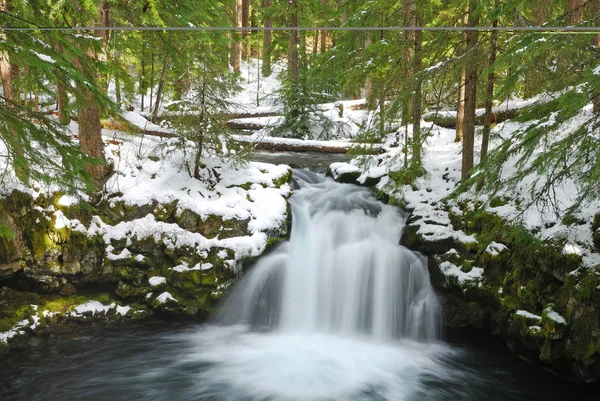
[549,29]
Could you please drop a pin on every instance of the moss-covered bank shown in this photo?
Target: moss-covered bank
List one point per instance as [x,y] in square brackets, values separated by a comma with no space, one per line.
[531,293]
[54,258]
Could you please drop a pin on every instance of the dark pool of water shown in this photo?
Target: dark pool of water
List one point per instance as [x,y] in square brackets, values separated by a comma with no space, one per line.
[163,362]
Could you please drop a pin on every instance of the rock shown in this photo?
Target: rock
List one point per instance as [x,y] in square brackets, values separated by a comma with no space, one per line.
[554,325]
[67,290]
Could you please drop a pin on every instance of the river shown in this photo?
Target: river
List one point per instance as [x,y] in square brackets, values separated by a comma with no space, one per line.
[339,312]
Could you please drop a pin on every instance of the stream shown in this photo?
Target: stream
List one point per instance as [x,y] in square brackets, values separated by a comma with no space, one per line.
[339,312]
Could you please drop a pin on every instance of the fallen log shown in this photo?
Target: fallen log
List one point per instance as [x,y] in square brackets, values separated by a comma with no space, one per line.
[288,147]
[449,121]
[240,125]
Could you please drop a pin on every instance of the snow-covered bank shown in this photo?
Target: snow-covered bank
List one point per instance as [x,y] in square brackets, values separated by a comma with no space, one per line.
[528,268]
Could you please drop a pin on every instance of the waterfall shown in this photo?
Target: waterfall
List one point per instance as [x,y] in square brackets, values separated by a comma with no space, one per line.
[342,271]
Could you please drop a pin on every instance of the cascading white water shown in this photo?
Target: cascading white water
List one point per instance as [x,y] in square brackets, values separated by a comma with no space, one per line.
[342,271]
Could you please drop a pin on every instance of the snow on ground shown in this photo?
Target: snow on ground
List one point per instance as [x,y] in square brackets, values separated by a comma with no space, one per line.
[442,159]
[451,270]
[148,169]
[82,311]
[258,94]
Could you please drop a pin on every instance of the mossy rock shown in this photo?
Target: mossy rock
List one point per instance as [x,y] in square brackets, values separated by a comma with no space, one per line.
[554,325]
[345,178]
[552,350]
[411,239]
[128,291]
[284,179]
[583,343]
[165,211]
[234,228]
[114,212]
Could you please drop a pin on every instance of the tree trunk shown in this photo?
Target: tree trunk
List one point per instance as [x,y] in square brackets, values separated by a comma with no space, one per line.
[489,95]
[118,89]
[236,48]
[369,81]
[409,41]
[267,38]
[595,11]
[470,96]
[5,63]
[575,10]
[595,7]
[143,80]
[245,24]
[104,20]
[62,101]
[88,115]
[532,75]
[417,65]
[159,91]
[294,42]
[151,82]
[323,48]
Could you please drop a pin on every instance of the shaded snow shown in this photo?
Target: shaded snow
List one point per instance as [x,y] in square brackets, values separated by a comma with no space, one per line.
[451,270]
[164,297]
[156,280]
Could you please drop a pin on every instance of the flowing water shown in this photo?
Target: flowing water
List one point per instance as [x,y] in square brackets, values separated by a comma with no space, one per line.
[340,312]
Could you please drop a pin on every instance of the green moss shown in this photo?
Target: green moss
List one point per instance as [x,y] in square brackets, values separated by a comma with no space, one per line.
[467,266]
[10,317]
[287,177]
[40,242]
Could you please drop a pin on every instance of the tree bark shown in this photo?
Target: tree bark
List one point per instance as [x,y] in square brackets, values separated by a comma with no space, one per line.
[575,10]
[369,81]
[489,95]
[294,42]
[5,63]
[88,115]
[245,24]
[595,11]
[267,38]
[236,48]
[409,36]
[532,75]
[470,96]
[417,65]
[151,82]
[143,81]
[159,90]
[62,102]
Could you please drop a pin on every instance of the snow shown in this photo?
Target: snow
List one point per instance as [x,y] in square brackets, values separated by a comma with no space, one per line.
[554,316]
[164,297]
[451,270]
[157,280]
[140,122]
[60,220]
[44,57]
[123,310]
[184,267]
[92,307]
[495,248]
[67,200]
[124,254]
[528,315]
[596,70]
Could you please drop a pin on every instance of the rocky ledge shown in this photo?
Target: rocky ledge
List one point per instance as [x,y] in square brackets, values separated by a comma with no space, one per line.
[534,294]
[61,260]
